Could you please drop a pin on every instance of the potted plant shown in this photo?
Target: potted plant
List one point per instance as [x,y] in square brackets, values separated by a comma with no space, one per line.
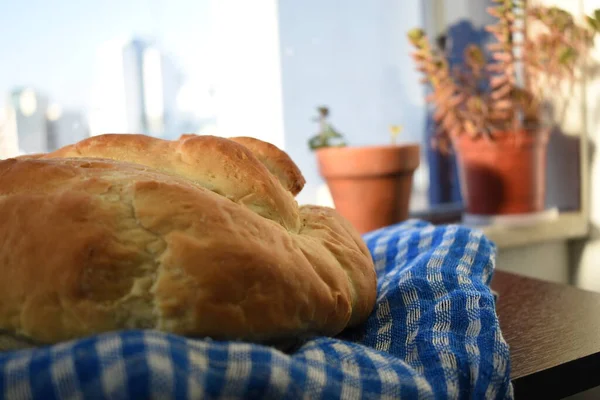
[489,109]
[370,185]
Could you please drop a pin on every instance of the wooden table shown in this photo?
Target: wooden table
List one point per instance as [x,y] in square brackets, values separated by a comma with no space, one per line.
[554,336]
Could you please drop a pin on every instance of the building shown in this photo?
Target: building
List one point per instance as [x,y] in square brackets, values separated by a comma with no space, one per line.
[29,125]
[135,90]
[26,120]
[66,128]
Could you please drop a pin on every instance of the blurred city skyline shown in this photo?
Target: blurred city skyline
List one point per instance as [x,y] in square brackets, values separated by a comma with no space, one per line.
[55,46]
[258,69]
[136,88]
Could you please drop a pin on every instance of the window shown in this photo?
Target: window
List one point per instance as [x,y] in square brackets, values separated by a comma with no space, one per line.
[237,67]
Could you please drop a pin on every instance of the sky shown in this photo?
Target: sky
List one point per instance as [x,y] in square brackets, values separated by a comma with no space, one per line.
[51,45]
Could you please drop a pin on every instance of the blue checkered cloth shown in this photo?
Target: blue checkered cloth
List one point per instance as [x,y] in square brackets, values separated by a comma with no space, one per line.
[433,334]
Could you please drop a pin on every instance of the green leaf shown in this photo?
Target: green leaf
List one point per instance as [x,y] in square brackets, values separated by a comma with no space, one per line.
[592,22]
[566,55]
[315,142]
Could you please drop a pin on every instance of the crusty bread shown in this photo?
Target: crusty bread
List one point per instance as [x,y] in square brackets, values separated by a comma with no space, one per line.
[217,164]
[276,161]
[199,236]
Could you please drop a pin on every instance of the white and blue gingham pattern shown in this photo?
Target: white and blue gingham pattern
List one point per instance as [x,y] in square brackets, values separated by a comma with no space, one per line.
[433,334]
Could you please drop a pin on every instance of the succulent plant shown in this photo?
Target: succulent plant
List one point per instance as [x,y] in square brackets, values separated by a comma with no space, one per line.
[535,49]
[327,135]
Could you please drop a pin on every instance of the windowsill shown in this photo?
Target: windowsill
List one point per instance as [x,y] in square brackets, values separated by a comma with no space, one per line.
[568,225]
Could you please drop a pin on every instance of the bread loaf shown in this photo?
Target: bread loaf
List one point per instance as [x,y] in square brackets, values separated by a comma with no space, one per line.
[199,236]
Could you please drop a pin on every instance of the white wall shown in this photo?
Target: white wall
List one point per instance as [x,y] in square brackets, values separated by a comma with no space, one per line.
[353,56]
[586,255]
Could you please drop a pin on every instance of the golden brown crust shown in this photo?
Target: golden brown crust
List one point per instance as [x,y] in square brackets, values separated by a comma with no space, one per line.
[277,162]
[210,161]
[92,245]
[30,156]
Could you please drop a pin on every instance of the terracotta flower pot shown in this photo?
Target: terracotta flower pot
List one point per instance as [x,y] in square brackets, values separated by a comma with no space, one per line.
[503,176]
[370,186]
